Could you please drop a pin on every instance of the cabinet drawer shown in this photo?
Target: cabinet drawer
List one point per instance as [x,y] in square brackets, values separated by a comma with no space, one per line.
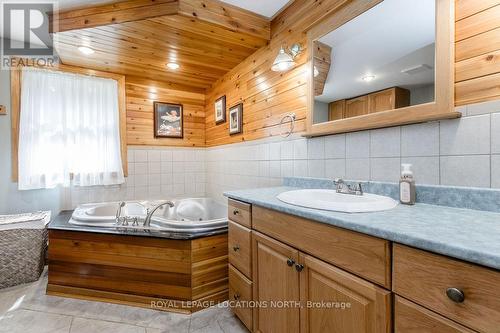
[366,256]
[240,251]
[412,318]
[240,212]
[424,278]
[240,289]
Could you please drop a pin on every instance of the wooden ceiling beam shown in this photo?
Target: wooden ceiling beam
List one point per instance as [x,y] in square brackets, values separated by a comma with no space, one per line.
[212,11]
[119,12]
[227,16]
[207,38]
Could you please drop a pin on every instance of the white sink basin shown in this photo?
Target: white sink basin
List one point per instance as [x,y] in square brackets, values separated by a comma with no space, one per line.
[337,202]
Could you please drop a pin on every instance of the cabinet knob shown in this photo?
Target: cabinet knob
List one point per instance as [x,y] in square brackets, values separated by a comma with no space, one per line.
[299,267]
[236,297]
[236,212]
[290,262]
[455,294]
[236,248]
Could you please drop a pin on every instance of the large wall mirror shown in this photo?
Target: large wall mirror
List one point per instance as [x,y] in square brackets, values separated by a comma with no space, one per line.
[381,63]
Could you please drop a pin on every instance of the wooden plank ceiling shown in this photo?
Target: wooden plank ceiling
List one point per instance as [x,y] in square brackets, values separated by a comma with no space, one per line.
[206,38]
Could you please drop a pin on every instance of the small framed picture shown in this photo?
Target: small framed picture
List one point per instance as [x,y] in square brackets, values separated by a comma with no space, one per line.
[168,120]
[220,110]
[236,119]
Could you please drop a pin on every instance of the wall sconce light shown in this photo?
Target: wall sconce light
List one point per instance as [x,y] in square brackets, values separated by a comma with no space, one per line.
[285,58]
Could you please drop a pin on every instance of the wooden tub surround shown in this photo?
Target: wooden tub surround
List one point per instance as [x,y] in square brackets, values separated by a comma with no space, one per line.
[163,274]
[389,287]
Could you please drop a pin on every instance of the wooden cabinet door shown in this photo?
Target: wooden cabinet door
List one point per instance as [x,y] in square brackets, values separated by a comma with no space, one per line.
[388,99]
[356,106]
[336,110]
[336,301]
[381,101]
[277,281]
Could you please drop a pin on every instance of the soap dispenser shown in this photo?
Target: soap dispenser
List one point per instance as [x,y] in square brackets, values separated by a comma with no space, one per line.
[407,193]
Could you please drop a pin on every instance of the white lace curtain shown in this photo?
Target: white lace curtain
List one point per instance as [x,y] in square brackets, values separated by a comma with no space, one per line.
[69,131]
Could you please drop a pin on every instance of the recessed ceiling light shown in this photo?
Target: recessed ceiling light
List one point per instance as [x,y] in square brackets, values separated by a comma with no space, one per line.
[173,65]
[368,78]
[86,50]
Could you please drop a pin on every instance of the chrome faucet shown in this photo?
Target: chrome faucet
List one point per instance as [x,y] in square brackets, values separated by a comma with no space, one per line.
[343,188]
[150,213]
[119,212]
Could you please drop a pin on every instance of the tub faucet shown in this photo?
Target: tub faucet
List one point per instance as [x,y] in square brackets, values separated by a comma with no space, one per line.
[119,211]
[150,213]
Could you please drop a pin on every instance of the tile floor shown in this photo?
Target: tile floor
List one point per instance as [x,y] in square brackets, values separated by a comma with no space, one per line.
[27,309]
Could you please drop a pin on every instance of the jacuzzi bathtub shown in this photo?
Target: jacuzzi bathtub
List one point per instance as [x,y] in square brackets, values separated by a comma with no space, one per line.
[194,215]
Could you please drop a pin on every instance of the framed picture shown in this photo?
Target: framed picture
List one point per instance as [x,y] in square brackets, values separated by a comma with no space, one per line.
[168,120]
[220,110]
[236,119]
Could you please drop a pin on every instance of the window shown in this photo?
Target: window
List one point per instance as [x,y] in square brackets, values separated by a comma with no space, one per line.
[69,130]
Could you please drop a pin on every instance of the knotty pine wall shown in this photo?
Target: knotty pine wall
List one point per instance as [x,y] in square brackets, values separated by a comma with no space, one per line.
[141,93]
[477,51]
[268,95]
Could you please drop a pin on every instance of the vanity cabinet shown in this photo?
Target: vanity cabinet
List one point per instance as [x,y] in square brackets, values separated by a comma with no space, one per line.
[463,292]
[305,294]
[336,301]
[240,261]
[239,248]
[240,290]
[276,285]
[306,276]
[302,275]
[412,318]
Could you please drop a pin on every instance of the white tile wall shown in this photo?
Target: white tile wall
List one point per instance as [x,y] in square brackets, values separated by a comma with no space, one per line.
[448,152]
[154,173]
[495,171]
[385,169]
[358,144]
[385,142]
[495,133]
[468,170]
[335,146]
[420,139]
[466,136]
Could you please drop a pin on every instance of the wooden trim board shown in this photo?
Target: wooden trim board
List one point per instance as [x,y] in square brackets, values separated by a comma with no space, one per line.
[441,108]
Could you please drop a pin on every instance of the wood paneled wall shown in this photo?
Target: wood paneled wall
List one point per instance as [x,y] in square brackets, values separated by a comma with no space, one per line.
[141,93]
[267,95]
[477,67]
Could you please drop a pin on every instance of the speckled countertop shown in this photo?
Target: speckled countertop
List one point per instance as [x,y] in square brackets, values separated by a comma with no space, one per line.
[466,234]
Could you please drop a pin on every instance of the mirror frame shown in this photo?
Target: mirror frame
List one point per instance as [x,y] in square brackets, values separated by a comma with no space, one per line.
[443,105]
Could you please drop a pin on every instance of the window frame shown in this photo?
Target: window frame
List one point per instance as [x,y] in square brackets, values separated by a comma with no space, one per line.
[15,92]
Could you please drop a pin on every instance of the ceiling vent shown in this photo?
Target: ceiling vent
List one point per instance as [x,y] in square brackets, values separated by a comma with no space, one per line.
[416,69]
